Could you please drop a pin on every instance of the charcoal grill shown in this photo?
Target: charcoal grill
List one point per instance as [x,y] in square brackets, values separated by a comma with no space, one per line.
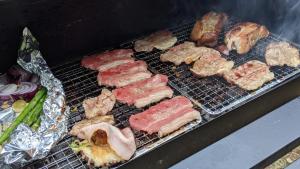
[213,96]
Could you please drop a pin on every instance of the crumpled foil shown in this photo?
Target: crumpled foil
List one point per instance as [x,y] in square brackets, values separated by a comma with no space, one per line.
[26,145]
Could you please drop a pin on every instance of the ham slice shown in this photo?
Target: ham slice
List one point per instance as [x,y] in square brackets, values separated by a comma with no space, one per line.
[108,59]
[165,117]
[144,92]
[122,142]
[124,74]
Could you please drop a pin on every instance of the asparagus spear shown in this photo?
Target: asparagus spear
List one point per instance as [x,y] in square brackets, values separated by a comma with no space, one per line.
[6,134]
[35,113]
[36,124]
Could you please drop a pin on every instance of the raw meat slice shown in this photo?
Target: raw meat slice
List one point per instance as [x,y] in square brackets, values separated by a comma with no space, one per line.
[125,74]
[282,53]
[124,79]
[107,59]
[250,75]
[99,105]
[163,117]
[160,40]
[144,92]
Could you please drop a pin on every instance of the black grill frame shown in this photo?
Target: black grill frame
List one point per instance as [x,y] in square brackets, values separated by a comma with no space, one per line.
[80,83]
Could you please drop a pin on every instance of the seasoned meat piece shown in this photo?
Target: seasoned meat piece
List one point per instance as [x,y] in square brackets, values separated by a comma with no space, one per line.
[250,75]
[105,144]
[242,37]
[160,40]
[165,117]
[223,49]
[211,64]
[144,92]
[108,59]
[87,122]
[282,53]
[207,30]
[99,105]
[186,52]
[125,74]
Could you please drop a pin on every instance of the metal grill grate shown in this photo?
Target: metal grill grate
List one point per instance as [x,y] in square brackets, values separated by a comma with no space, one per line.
[213,94]
[79,84]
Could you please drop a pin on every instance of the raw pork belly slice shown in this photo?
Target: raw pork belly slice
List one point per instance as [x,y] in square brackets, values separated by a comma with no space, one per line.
[125,74]
[144,92]
[99,105]
[165,117]
[211,64]
[160,40]
[108,59]
[250,75]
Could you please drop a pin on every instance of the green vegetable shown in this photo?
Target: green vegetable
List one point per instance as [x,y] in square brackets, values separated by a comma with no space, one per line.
[6,134]
[19,105]
[35,113]
[36,124]
[77,145]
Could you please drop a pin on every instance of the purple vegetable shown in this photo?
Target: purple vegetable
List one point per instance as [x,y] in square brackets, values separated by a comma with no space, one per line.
[25,90]
[7,90]
[16,74]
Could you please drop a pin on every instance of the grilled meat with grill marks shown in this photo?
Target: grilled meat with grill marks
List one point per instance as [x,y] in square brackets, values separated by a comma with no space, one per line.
[282,53]
[242,37]
[160,40]
[186,52]
[211,64]
[108,59]
[105,144]
[99,105]
[250,75]
[144,92]
[125,74]
[165,117]
[206,31]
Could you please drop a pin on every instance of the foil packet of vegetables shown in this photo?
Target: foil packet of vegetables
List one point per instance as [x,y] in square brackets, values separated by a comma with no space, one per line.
[33,112]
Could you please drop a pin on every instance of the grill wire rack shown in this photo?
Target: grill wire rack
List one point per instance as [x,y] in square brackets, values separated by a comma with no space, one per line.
[213,95]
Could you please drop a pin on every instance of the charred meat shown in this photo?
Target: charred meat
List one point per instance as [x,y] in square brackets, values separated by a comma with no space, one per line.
[206,31]
[242,37]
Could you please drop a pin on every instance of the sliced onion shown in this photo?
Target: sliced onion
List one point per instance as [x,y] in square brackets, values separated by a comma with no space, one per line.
[6,91]
[25,90]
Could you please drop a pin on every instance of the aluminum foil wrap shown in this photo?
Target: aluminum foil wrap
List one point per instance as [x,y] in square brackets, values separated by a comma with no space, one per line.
[26,145]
